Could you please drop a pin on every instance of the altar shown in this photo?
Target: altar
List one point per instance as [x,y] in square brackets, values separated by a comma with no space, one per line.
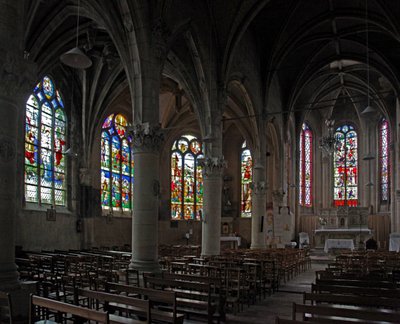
[342,224]
[236,240]
[338,244]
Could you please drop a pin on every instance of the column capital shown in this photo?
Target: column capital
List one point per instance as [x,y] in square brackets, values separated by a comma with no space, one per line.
[17,74]
[146,137]
[213,166]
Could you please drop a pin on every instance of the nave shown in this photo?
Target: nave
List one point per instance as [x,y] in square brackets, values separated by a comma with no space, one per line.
[237,287]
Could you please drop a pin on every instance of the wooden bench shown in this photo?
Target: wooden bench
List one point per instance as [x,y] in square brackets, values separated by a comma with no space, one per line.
[362,291]
[5,308]
[61,309]
[159,298]
[392,303]
[193,298]
[356,283]
[98,299]
[342,314]
[279,320]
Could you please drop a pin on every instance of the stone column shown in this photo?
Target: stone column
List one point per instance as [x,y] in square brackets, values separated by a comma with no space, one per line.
[15,75]
[395,208]
[212,182]
[259,199]
[146,140]
[8,171]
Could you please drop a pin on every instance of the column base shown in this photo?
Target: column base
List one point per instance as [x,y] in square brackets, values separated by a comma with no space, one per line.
[209,253]
[145,266]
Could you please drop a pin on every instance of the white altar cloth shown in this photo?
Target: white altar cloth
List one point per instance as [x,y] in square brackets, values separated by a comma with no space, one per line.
[233,239]
[338,244]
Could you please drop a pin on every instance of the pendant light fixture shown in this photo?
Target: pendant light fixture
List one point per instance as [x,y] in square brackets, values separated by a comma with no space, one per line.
[75,58]
[368,110]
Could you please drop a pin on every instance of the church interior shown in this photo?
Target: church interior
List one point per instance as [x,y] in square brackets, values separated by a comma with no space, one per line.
[246,142]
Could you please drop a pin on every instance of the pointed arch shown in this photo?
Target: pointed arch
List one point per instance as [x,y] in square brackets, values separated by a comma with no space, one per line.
[345,165]
[384,160]
[246,162]
[305,165]
[117,165]
[186,179]
[45,141]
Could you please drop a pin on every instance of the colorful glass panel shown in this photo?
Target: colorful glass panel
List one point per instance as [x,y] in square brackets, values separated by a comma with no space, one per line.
[246,180]
[384,165]
[345,167]
[305,166]
[116,164]
[186,179]
[45,141]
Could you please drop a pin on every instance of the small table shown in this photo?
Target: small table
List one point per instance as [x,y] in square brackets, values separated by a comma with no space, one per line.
[232,239]
[338,244]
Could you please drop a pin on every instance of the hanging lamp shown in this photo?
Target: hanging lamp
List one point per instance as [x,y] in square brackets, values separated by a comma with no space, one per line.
[75,58]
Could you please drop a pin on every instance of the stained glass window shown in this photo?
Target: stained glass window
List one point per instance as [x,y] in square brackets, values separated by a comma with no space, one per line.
[246,180]
[45,140]
[345,167]
[116,165]
[305,166]
[384,164]
[186,179]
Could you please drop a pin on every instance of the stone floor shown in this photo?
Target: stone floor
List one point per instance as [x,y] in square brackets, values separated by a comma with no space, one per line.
[279,304]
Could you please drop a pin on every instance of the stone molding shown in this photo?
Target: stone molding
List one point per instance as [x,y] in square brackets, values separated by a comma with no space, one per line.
[146,137]
[277,195]
[259,187]
[213,166]
[17,75]
[85,176]
[160,33]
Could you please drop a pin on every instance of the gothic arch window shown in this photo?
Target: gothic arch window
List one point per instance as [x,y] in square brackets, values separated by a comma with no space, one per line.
[246,180]
[305,166]
[116,165]
[45,140]
[345,165]
[186,179]
[384,162]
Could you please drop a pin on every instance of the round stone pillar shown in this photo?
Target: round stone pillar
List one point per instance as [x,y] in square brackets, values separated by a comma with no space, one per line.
[212,204]
[146,142]
[259,199]
[8,171]
[15,75]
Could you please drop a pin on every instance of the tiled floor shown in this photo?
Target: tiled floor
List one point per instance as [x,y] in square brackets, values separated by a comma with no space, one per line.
[279,304]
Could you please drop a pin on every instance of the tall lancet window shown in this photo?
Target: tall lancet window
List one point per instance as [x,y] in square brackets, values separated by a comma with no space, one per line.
[305,166]
[246,180]
[116,165]
[384,161]
[45,140]
[345,165]
[186,179]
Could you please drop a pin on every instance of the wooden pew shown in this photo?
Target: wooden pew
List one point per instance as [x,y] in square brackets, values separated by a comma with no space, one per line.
[349,290]
[166,300]
[5,308]
[287,321]
[356,283]
[63,309]
[193,298]
[137,306]
[342,314]
[355,300]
